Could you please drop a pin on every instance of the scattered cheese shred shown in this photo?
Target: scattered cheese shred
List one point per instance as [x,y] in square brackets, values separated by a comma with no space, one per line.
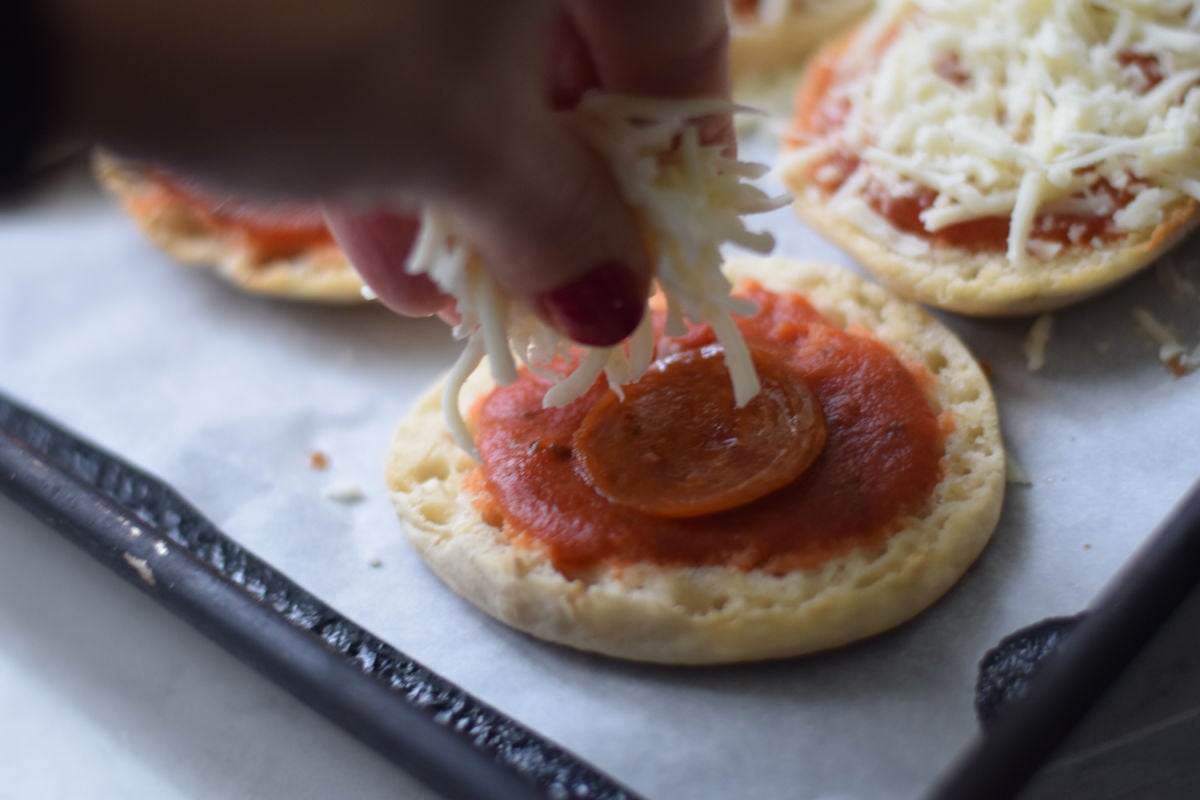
[690,199]
[1171,352]
[1022,107]
[1180,287]
[1036,341]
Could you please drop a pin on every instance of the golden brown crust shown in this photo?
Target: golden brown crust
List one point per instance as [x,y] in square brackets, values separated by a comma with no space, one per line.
[986,284]
[713,615]
[322,274]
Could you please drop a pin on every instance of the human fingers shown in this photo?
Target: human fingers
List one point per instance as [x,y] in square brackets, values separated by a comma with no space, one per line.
[660,48]
[335,98]
[547,218]
[377,243]
[569,67]
[555,230]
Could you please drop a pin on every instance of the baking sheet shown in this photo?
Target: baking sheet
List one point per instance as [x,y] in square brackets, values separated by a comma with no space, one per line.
[226,396]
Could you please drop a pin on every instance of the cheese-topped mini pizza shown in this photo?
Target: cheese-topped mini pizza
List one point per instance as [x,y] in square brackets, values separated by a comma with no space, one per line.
[770,34]
[1004,156]
[662,521]
[281,250]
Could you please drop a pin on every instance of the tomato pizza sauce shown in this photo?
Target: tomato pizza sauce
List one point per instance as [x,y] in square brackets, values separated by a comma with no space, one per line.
[267,231]
[880,454]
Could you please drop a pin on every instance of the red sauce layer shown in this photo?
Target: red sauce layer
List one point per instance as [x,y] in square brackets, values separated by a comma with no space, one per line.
[991,233]
[881,460]
[820,113]
[278,230]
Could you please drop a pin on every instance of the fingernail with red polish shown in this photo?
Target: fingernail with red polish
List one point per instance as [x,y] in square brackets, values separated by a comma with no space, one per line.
[599,309]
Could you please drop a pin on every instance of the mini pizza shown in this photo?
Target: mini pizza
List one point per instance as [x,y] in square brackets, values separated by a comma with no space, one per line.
[665,523]
[768,35]
[999,157]
[280,250]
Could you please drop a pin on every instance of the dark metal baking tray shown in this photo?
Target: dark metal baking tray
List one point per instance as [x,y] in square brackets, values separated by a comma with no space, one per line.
[1123,625]
[142,529]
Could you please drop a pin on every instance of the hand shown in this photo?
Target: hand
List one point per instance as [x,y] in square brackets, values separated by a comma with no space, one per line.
[447,101]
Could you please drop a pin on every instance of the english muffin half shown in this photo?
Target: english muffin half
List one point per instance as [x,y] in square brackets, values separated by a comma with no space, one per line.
[735,604]
[283,252]
[1001,158]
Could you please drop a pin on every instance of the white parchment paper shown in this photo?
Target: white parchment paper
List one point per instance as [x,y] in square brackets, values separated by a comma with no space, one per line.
[226,396]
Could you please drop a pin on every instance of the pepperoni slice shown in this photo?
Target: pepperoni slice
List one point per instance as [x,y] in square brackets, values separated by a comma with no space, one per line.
[676,446]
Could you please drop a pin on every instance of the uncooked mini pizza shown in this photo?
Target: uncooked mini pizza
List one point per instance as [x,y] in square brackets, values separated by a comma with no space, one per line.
[661,521]
[1002,156]
[781,458]
[768,35]
[281,250]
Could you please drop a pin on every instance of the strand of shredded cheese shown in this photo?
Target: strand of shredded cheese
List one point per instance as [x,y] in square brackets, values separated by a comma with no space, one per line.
[1045,114]
[689,198]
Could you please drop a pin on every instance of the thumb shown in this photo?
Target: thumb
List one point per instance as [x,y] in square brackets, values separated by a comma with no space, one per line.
[556,233]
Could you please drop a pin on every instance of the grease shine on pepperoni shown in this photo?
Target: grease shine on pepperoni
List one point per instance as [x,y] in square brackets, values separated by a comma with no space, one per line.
[676,445]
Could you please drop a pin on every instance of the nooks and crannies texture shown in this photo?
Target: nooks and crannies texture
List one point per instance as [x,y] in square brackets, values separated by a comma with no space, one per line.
[689,199]
[1022,107]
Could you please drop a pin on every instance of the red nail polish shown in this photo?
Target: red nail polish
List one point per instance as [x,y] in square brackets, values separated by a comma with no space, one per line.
[599,309]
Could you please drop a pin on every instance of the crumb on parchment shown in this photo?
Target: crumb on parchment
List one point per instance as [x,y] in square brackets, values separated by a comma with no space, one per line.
[1171,352]
[344,492]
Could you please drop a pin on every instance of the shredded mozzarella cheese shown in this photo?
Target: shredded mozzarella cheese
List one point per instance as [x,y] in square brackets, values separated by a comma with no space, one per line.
[1036,341]
[689,198]
[1171,352]
[1021,107]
